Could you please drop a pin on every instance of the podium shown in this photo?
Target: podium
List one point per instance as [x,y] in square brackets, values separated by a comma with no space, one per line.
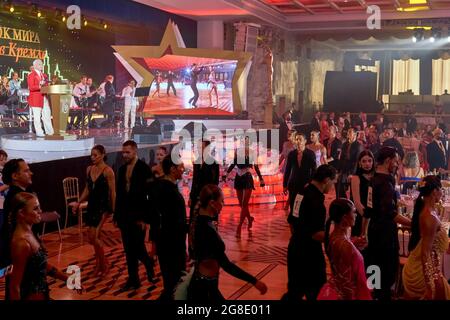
[59,98]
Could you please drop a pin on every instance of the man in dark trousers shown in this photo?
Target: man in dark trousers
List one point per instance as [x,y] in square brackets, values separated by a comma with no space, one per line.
[170,77]
[300,168]
[285,125]
[206,171]
[17,174]
[334,147]
[382,218]
[132,207]
[347,162]
[305,260]
[436,153]
[169,228]
[110,100]
[195,71]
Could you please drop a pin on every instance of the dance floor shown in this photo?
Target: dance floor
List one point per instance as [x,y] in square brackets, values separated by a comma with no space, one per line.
[261,252]
[179,105]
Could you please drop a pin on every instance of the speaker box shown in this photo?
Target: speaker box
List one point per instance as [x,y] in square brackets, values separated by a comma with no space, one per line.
[141,138]
[149,135]
[167,125]
[154,128]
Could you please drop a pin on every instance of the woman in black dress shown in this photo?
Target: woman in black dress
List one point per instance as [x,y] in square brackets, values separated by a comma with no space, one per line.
[209,250]
[360,187]
[156,167]
[100,192]
[28,280]
[243,183]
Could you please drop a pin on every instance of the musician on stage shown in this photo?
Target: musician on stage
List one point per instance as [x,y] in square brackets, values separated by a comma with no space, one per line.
[14,87]
[131,102]
[37,101]
[79,100]
[110,100]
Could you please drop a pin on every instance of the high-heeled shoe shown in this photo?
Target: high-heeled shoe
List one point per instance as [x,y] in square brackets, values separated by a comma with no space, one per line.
[250,223]
[238,233]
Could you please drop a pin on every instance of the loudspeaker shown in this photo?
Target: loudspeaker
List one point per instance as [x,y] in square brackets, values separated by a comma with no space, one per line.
[154,128]
[151,134]
[167,125]
[147,138]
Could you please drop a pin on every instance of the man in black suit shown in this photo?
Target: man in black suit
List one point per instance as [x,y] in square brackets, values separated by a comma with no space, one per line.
[170,233]
[284,122]
[110,100]
[195,71]
[296,115]
[170,77]
[391,141]
[132,207]
[206,171]
[315,122]
[300,168]
[436,153]
[334,148]
[331,121]
[361,121]
[348,161]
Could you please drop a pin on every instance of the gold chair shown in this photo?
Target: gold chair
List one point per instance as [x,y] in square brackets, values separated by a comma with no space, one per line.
[72,195]
[50,216]
[404,235]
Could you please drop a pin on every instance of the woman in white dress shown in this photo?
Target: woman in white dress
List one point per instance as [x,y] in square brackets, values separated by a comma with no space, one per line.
[319,149]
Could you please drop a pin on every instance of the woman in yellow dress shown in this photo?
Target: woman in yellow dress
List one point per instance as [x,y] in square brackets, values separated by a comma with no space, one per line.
[422,274]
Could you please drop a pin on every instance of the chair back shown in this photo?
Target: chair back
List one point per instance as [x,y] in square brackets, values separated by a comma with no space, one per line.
[71,189]
[404,235]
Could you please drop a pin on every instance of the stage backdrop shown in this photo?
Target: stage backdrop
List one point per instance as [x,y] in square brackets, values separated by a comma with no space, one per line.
[71,53]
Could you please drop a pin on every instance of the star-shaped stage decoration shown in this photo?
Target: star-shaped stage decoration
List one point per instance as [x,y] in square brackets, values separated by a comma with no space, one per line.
[172,54]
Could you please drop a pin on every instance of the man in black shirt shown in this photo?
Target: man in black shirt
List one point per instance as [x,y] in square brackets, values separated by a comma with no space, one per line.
[300,168]
[315,122]
[131,211]
[334,147]
[195,71]
[170,77]
[391,141]
[110,100]
[169,228]
[206,171]
[380,221]
[305,261]
[348,160]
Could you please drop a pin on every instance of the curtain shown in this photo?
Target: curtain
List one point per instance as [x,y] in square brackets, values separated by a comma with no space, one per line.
[318,70]
[286,75]
[405,76]
[441,76]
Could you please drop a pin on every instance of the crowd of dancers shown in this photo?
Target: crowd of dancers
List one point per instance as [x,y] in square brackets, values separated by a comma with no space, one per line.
[360,230]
